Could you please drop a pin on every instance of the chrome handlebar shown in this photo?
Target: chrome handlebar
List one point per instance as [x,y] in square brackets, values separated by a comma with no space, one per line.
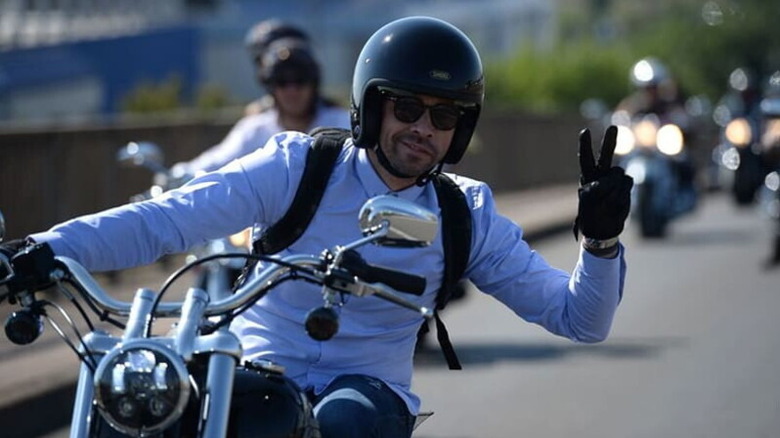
[255,285]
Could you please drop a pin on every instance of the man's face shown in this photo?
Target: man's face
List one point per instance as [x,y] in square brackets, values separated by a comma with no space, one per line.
[415,147]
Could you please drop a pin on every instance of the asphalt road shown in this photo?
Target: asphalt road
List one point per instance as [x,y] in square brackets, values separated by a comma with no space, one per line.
[693,352]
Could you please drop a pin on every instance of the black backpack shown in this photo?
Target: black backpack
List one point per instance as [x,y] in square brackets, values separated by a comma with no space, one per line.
[456,221]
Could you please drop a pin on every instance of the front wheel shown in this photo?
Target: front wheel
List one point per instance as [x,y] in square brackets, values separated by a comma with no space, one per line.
[747,180]
[652,221]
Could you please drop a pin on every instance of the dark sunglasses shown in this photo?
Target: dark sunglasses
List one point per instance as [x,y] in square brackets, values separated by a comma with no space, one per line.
[285,82]
[409,109]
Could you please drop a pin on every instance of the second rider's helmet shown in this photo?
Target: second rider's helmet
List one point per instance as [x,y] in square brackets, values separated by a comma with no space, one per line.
[421,55]
[262,34]
[289,60]
[648,72]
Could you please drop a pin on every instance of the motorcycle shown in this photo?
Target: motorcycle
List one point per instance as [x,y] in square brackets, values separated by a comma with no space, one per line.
[739,156]
[191,382]
[219,275]
[655,155]
[769,192]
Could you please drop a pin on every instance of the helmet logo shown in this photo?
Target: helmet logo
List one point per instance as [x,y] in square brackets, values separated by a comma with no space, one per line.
[440,75]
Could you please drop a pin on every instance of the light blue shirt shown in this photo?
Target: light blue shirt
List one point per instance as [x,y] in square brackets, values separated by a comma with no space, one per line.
[253,131]
[375,337]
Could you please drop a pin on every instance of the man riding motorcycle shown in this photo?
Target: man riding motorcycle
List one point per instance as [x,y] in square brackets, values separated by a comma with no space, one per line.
[417,94]
[737,156]
[288,70]
[770,155]
[290,73]
[659,127]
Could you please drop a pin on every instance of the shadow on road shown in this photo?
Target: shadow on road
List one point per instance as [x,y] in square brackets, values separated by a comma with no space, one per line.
[488,353]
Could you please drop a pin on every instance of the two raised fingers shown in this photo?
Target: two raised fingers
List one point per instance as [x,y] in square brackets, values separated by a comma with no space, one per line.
[590,169]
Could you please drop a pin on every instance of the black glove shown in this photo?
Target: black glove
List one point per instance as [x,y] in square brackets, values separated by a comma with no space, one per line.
[32,263]
[13,246]
[605,191]
[9,249]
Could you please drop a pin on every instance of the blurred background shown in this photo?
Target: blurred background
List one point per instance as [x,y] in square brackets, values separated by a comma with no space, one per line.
[81,78]
[68,60]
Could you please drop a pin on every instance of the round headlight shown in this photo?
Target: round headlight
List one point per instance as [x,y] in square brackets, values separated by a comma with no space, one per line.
[141,387]
[670,139]
[738,132]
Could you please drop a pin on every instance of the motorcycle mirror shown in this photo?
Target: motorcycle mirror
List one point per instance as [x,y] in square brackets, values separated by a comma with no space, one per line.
[2,227]
[408,224]
[141,154]
[24,326]
[322,323]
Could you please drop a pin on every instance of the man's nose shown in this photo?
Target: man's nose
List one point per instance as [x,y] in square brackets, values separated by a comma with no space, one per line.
[424,124]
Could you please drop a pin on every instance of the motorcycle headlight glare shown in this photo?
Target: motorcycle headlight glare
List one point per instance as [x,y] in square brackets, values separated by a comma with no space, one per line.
[738,132]
[625,140]
[646,132]
[670,139]
[141,387]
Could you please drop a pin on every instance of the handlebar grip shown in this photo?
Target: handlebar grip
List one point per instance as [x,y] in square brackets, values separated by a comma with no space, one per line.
[401,281]
[409,283]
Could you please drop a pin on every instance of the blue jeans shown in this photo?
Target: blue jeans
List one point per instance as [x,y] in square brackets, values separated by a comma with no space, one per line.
[358,406]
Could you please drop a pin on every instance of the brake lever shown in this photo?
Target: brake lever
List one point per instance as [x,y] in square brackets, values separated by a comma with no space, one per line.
[362,289]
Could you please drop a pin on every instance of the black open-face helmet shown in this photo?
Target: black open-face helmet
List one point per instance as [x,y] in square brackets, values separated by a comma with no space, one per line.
[262,34]
[289,60]
[420,55]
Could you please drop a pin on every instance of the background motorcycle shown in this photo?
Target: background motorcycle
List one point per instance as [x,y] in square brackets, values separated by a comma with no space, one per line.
[739,157]
[217,276]
[190,382]
[655,155]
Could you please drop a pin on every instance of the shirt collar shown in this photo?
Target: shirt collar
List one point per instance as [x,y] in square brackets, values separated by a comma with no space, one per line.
[373,184]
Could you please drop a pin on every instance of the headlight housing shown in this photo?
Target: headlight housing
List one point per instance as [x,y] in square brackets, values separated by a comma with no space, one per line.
[141,387]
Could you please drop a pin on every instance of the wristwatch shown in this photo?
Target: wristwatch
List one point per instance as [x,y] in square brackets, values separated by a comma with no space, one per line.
[590,243]
[605,248]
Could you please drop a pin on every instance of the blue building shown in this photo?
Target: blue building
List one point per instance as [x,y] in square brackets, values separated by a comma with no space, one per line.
[68,60]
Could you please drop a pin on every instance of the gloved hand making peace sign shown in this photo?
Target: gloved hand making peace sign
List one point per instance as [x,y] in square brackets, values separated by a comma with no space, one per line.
[604,195]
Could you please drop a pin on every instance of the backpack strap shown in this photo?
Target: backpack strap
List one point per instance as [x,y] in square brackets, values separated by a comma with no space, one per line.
[456,240]
[320,161]
[456,221]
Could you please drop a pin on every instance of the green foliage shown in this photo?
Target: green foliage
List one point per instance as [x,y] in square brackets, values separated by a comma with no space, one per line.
[165,96]
[212,97]
[702,52]
[701,41]
[150,97]
[559,80]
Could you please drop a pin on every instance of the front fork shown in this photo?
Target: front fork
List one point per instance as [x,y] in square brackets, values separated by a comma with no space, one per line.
[222,347]
[83,406]
[215,408]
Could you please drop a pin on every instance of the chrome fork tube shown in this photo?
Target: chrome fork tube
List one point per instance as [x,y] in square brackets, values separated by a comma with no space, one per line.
[215,409]
[83,418]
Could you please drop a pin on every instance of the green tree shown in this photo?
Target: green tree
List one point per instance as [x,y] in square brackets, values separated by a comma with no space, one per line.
[701,41]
